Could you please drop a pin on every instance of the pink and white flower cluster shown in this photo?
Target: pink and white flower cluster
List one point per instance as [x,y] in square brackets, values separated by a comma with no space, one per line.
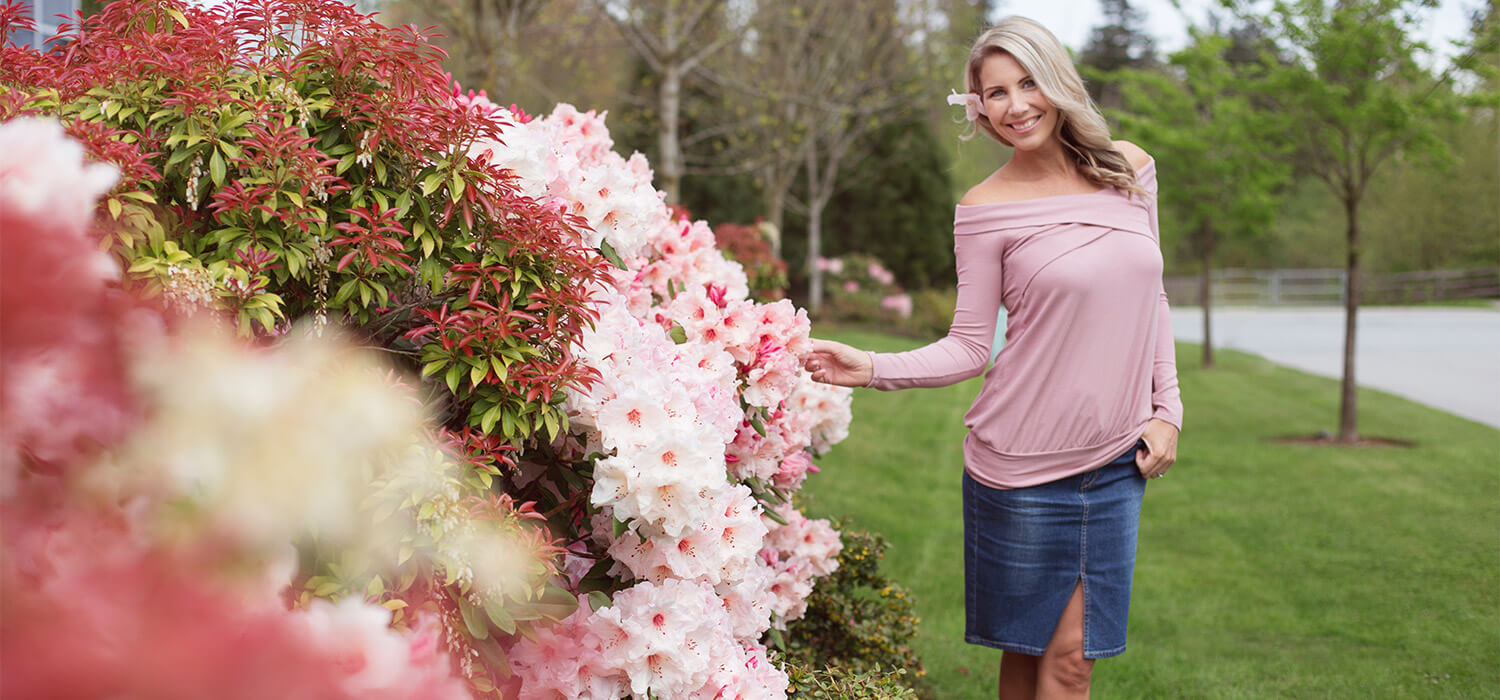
[671,640]
[701,404]
[798,552]
[568,158]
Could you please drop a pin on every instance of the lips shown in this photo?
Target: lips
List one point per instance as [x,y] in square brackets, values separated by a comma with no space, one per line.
[1022,127]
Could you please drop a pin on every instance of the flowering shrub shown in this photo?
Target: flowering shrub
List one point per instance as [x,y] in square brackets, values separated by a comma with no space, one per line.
[701,425]
[614,421]
[751,247]
[858,287]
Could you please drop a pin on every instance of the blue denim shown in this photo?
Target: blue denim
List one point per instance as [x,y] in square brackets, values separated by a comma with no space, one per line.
[1026,549]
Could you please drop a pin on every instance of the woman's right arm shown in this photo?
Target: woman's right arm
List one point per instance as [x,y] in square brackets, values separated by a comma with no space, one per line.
[962,354]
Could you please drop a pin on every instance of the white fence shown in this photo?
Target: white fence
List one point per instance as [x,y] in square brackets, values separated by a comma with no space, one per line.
[1326,287]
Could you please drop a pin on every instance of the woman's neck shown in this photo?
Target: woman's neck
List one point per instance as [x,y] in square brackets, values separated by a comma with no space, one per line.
[1050,162]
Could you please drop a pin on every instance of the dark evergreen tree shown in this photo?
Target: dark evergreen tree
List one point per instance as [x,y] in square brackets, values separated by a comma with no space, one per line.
[1121,42]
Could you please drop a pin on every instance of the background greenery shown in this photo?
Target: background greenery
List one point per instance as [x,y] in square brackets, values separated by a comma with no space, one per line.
[896,203]
[1265,570]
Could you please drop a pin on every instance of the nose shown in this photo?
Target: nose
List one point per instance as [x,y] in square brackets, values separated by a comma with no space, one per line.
[1018,105]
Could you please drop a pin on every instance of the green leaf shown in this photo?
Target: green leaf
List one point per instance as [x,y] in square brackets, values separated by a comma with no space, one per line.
[608,251]
[476,626]
[679,336]
[454,372]
[487,421]
[457,190]
[431,183]
[217,168]
[621,526]
[500,616]
[599,599]
[345,291]
[755,422]
[773,515]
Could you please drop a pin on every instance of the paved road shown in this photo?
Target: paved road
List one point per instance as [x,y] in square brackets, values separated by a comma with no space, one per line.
[1445,357]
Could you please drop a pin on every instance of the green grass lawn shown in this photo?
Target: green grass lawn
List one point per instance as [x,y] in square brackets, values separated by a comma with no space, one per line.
[1265,569]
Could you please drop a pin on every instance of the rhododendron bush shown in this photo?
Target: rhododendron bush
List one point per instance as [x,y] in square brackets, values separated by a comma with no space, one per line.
[859,288]
[570,471]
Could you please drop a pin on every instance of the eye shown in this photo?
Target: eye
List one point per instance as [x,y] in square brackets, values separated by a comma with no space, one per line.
[1028,83]
[997,93]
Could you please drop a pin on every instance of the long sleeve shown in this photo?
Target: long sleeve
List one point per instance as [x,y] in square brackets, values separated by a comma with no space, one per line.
[1166,399]
[965,351]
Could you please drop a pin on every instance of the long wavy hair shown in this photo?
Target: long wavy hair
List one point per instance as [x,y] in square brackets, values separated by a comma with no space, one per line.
[1081,128]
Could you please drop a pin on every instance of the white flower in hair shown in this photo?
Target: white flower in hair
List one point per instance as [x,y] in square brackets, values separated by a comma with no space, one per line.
[973,106]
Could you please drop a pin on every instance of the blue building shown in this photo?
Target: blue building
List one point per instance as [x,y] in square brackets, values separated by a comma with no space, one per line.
[45,14]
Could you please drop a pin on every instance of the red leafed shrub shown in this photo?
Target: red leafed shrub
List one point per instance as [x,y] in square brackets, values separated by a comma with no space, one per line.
[750,247]
[294,158]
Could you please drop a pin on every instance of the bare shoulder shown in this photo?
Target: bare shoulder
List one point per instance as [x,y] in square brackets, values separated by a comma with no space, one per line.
[1137,156]
[992,190]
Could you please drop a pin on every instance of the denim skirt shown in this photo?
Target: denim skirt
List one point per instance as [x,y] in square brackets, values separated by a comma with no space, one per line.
[1026,549]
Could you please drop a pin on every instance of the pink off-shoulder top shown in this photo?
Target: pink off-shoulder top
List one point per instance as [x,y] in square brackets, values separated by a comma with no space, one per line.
[1088,357]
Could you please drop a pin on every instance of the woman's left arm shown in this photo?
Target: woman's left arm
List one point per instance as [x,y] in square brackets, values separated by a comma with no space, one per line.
[1166,399]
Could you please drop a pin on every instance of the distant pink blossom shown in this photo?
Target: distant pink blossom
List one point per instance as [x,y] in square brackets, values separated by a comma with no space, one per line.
[900,303]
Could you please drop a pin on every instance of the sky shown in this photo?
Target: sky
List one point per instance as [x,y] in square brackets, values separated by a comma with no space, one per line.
[1072,20]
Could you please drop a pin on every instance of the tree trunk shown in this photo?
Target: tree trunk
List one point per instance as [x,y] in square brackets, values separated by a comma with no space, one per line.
[1205,292]
[670,166]
[775,187]
[814,234]
[1348,408]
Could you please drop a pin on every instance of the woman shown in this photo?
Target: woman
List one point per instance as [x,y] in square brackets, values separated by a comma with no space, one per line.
[1081,405]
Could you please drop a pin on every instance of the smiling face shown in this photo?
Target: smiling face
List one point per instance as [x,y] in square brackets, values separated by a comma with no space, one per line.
[1017,109]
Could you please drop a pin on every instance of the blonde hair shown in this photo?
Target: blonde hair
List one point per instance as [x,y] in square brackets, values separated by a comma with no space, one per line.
[1081,127]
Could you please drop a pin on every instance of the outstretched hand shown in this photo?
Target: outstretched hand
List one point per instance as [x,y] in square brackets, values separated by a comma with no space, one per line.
[837,363]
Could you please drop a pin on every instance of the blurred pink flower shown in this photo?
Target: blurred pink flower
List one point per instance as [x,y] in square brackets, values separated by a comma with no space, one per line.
[900,303]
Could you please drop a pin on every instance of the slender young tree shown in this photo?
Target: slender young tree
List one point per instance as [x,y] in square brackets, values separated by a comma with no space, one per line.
[674,38]
[1221,157]
[856,67]
[1358,98]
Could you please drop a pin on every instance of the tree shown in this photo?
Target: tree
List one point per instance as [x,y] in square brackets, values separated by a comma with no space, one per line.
[896,203]
[1120,43]
[1220,174]
[1358,98]
[853,71]
[673,38]
[521,51]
